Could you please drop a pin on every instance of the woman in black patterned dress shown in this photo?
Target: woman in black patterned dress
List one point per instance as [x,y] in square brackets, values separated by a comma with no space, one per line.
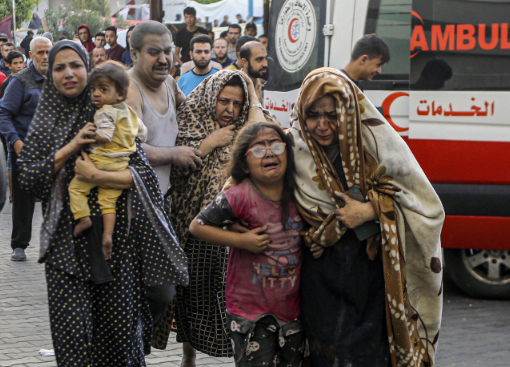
[99,314]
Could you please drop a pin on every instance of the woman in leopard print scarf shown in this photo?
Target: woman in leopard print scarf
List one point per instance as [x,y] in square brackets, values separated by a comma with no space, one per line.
[208,120]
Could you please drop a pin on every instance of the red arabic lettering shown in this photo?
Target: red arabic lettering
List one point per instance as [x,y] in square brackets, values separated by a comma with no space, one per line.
[475,110]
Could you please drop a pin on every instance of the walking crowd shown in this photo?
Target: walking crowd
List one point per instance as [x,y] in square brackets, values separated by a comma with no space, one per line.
[184,206]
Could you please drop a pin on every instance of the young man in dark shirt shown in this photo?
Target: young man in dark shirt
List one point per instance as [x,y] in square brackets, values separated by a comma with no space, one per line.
[370,53]
[115,51]
[184,36]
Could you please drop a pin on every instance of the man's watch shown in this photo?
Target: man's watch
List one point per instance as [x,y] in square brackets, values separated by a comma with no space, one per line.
[259,105]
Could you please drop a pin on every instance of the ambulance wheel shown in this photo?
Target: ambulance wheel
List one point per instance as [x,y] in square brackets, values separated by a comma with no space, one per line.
[480,273]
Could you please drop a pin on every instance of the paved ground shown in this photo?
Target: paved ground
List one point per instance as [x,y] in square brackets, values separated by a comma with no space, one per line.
[475,333]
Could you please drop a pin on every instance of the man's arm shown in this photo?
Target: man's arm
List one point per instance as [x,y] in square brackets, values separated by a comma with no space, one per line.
[177,52]
[134,99]
[10,106]
[157,156]
[179,96]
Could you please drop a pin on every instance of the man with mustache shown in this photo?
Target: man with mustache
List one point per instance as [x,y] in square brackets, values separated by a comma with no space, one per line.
[17,108]
[155,96]
[220,50]
[253,56]
[98,56]
[200,53]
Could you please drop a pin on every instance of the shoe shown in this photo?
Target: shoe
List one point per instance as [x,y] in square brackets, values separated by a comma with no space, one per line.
[18,255]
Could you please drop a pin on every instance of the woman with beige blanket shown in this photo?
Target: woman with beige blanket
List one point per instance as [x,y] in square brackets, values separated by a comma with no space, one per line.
[374,298]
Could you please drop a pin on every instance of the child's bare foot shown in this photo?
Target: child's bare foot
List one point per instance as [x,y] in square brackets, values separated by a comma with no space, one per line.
[189,355]
[107,246]
[83,224]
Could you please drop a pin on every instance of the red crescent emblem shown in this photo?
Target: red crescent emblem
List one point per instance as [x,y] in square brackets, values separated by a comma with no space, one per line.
[291,38]
[386,109]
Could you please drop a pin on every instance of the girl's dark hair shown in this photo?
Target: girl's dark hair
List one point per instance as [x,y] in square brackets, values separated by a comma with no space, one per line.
[238,162]
[235,81]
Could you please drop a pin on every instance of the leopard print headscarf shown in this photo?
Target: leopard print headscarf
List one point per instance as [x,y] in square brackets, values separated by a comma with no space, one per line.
[193,191]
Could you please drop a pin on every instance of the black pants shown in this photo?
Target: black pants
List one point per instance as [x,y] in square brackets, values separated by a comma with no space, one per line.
[23,203]
[159,298]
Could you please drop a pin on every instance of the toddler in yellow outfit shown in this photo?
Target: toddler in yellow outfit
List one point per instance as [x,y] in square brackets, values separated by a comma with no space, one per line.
[117,127]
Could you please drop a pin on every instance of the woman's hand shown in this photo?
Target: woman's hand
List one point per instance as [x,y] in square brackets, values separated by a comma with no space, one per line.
[85,136]
[85,169]
[252,93]
[316,249]
[223,136]
[255,241]
[218,138]
[354,213]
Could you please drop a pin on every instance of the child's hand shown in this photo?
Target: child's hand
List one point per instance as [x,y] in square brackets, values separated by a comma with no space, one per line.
[254,241]
[315,249]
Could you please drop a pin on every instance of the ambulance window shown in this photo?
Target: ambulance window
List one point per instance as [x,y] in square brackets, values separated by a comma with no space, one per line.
[460,45]
[391,19]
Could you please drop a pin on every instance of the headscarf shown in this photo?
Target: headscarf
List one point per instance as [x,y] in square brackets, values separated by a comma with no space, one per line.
[196,116]
[377,160]
[126,56]
[89,45]
[35,22]
[56,121]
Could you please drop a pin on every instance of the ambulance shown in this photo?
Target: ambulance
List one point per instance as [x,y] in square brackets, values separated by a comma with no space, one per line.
[446,91]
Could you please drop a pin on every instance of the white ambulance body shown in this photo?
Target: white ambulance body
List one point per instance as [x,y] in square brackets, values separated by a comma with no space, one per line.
[446,91]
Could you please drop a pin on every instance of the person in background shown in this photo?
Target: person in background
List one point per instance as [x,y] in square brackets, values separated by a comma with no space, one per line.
[253,57]
[236,65]
[224,35]
[100,39]
[61,38]
[49,36]
[98,56]
[184,36]
[240,19]
[369,55]
[25,44]
[3,39]
[216,23]
[17,109]
[85,37]
[264,40]
[178,18]
[211,34]
[115,51]
[6,48]
[234,32]
[220,50]
[16,62]
[250,29]
[126,56]
[225,22]
[200,53]
[35,22]
[76,38]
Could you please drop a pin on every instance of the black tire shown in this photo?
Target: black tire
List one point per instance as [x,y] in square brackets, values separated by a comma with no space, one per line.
[480,273]
[3,176]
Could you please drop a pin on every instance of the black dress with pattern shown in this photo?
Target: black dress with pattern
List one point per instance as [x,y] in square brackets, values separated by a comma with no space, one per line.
[99,313]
